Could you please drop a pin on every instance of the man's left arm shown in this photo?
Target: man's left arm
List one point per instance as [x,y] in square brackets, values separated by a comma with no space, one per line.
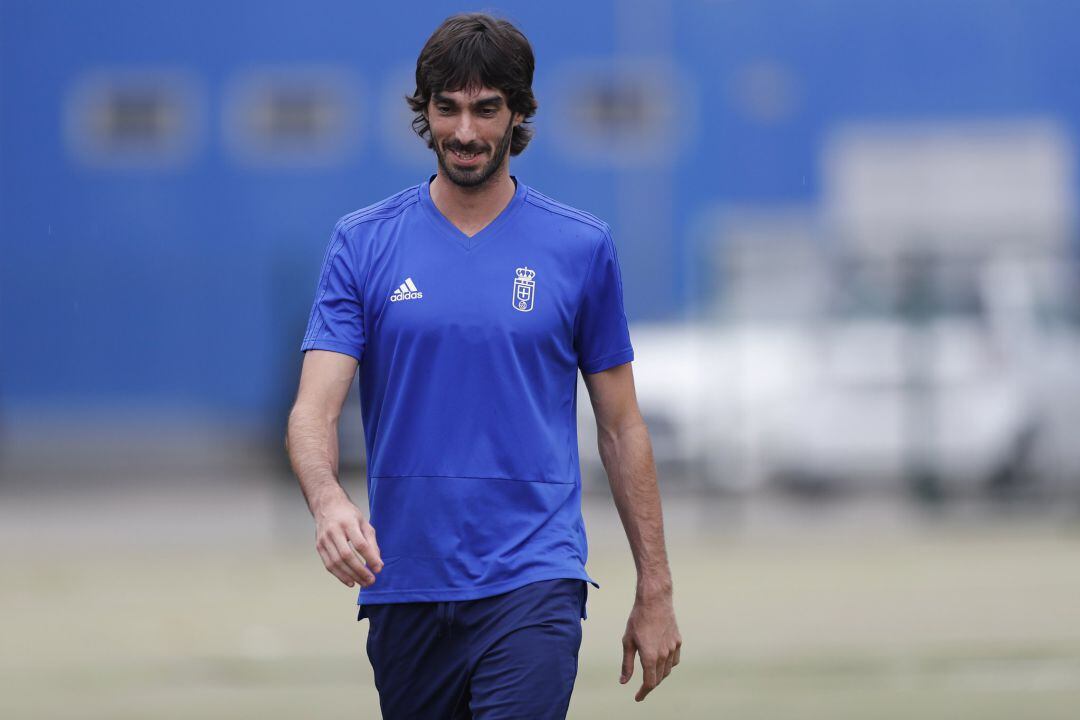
[626,452]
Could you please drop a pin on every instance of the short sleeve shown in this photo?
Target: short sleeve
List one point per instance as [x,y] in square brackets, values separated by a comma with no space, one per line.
[601,336]
[337,316]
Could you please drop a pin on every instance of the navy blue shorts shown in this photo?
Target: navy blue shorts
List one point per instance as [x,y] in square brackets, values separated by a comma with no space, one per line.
[512,655]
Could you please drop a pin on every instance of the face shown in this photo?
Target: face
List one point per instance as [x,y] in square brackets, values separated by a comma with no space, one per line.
[471,134]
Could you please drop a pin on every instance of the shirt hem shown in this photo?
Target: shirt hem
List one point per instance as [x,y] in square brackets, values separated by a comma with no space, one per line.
[383,476]
[608,361]
[376,597]
[343,348]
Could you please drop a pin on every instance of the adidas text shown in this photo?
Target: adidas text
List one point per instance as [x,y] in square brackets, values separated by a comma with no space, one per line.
[406,291]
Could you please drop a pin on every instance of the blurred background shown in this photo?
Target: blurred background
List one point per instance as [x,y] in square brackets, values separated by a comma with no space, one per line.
[848,232]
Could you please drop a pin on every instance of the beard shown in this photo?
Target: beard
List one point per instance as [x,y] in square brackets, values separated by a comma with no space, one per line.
[473,177]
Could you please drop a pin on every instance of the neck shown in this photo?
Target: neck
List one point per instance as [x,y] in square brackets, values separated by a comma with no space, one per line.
[470,209]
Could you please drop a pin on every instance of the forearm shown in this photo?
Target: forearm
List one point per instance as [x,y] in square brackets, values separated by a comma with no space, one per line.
[312,443]
[628,459]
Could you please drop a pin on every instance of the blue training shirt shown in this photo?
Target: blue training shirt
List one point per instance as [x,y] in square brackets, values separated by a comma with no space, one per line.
[469,349]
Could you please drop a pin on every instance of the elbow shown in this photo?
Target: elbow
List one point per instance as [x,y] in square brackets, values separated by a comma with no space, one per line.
[290,420]
[293,423]
[612,434]
[611,441]
[622,441]
[305,420]
[288,431]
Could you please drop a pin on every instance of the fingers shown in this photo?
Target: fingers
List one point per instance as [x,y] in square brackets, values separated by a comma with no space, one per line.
[349,561]
[649,677]
[656,667]
[346,542]
[627,660]
[341,560]
[330,566]
[672,658]
[362,537]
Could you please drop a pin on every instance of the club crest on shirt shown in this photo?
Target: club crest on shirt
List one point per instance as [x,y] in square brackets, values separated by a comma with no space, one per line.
[524,289]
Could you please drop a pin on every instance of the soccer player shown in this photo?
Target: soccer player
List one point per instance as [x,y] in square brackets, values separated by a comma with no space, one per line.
[469,303]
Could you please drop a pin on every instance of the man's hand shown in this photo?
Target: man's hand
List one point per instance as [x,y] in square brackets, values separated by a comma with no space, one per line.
[652,633]
[346,541]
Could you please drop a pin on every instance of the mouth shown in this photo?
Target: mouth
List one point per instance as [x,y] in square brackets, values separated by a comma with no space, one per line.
[465,158]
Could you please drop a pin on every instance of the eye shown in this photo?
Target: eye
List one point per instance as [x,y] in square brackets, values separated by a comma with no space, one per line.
[443,109]
[488,112]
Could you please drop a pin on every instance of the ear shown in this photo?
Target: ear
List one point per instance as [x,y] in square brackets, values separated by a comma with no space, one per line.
[518,119]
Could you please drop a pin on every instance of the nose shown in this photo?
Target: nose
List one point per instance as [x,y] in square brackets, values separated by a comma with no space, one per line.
[465,132]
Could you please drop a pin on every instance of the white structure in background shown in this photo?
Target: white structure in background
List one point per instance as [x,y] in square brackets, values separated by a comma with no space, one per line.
[909,330]
[965,230]
[951,188]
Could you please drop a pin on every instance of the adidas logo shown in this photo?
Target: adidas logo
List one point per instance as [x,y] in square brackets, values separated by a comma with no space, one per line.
[407,291]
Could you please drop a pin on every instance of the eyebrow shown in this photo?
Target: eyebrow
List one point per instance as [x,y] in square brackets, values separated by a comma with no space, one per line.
[489,100]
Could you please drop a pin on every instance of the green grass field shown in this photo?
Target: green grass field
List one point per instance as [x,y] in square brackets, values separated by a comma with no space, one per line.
[979,621]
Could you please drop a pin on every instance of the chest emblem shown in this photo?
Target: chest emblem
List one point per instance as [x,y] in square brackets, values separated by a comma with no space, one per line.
[524,289]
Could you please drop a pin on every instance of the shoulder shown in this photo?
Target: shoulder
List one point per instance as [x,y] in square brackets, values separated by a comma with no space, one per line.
[356,238]
[395,206]
[568,220]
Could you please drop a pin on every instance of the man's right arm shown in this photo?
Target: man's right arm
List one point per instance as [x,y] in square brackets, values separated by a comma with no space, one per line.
[344,539]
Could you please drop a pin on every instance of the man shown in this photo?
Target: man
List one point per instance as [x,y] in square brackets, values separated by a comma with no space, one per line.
[469,303]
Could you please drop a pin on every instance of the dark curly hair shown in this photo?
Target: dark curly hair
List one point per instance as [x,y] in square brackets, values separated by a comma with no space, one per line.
[473,50]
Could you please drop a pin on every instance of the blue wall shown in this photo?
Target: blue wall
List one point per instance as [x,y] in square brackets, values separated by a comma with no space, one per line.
[187,286]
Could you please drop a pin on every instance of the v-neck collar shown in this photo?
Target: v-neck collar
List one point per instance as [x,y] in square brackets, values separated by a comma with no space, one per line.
[492,228]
